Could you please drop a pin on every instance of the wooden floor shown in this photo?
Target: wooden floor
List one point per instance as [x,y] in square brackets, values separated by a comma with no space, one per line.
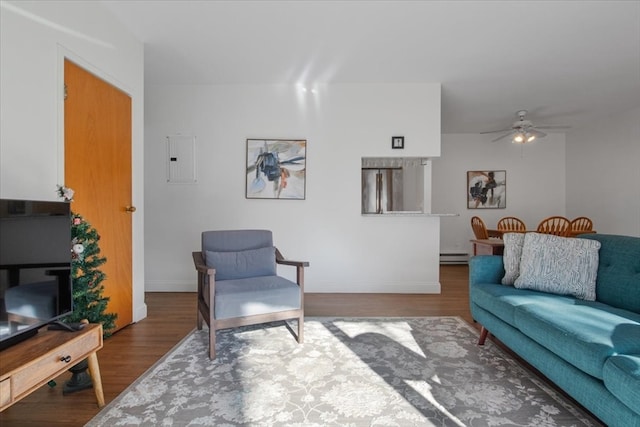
[170,317]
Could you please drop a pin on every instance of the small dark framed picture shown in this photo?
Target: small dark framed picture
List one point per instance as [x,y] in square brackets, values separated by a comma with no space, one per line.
[397,142]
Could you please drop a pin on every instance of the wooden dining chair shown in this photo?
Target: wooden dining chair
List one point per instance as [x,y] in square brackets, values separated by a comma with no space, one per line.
[511,224]
[479,229]
[582,223]
[556,225]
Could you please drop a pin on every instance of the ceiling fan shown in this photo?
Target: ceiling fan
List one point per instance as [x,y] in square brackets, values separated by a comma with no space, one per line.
[523,131]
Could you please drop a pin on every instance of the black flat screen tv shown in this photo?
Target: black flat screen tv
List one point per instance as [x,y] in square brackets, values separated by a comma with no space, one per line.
[35,267]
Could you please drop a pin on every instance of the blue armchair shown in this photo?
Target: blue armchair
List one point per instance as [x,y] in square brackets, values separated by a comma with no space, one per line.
[238,283]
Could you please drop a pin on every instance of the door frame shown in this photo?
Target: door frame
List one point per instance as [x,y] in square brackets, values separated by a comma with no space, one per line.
[139,308]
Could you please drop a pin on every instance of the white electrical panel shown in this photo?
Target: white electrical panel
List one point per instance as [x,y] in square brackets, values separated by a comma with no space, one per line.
[181,159]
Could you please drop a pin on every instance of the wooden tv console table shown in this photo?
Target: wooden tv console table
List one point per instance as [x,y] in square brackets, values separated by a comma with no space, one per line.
[28,365]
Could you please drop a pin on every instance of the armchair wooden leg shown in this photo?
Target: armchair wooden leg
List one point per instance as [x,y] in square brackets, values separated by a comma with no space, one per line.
[483,335]
[212,343]
[300,329]
[199,321]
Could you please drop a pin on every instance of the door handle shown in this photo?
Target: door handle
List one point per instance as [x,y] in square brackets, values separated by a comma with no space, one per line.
[130,209]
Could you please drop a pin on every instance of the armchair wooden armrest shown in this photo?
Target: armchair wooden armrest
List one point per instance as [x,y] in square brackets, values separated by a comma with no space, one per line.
[292,262]
[299,265]
[206,292]
[281,260]
[200,265]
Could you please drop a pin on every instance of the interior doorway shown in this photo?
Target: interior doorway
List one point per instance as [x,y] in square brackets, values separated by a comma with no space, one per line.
[97,159]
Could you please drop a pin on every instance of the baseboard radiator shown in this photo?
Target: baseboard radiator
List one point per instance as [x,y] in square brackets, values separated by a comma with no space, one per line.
[454,258]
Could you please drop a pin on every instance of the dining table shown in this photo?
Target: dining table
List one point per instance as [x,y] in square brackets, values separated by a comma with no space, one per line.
[488,246]
[495,233]
[494,245]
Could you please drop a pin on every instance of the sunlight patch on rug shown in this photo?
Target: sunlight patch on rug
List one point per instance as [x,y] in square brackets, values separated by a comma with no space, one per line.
[351,372]
[398,331]
[424,389]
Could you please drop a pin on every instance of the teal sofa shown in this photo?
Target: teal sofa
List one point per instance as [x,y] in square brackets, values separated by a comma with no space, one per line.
[590,349]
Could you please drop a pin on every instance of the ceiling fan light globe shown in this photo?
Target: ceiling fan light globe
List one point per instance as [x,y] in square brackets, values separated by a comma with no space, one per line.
[518,138]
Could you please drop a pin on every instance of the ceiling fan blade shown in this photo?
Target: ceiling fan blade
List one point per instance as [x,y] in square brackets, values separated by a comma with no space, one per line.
[496,131]
[503,136]
[537,133]
[552,127]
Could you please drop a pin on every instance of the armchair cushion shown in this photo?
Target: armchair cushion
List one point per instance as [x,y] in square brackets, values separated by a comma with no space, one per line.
[253,296]
[242,264]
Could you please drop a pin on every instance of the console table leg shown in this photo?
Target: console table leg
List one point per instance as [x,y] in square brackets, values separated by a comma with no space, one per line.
[94,371]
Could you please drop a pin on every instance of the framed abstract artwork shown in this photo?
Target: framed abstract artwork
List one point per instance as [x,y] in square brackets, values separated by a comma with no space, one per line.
[487,189]
[276,169]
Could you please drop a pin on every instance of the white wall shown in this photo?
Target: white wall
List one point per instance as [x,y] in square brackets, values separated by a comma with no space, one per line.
[35,37]
[603,173]
[342,124]
[535,182]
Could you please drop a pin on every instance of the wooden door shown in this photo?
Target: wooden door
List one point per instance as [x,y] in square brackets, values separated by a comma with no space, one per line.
[97,158]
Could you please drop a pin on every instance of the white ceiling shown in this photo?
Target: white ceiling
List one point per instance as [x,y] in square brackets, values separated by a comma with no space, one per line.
[567,62]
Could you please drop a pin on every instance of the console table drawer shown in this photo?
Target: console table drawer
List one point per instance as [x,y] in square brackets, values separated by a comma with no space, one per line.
[53,363]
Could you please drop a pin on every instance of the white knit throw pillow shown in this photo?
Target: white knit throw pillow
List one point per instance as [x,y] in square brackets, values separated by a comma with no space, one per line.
[559,265]
[513,243]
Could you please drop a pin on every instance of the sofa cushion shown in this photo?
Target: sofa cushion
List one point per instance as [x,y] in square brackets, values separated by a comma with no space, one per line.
[242,264]
[502,301]
[583,333]
[256,295]
[485,269]
[560,265]
[513,244]
[622,378]
[618,282]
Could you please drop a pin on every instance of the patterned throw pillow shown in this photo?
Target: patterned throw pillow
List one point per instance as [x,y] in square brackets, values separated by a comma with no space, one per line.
[559,265]
[513,243]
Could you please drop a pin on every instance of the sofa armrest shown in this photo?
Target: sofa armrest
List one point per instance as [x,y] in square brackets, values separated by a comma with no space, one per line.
[485,269]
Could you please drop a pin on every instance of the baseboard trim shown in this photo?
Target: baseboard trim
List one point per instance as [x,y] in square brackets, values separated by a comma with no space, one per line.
[171,286]
[375,288]
[363,288]
[454,258]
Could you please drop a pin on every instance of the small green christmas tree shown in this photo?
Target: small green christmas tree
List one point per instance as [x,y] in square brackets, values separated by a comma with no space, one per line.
[88,300]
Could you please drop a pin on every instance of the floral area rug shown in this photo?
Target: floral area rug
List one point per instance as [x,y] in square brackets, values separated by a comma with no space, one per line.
[424,371]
